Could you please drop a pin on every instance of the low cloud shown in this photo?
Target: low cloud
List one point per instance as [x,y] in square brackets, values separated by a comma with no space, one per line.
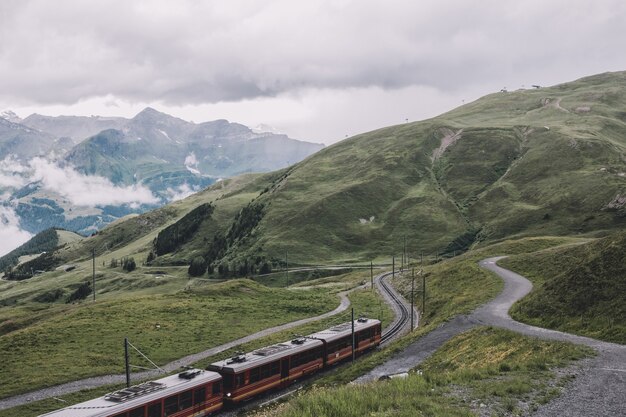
[12,173]
[11,236]
[180,192]
[86,190]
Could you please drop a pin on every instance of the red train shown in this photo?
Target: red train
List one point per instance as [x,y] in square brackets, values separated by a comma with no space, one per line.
[200,393]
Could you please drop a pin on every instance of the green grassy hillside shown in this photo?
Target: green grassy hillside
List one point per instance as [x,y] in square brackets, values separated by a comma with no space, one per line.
[549,161]
[532,162]
[579,289]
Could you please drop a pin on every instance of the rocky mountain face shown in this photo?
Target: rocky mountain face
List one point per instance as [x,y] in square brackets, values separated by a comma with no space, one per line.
[214,149]
[166,156]
[22,141]
[75,128]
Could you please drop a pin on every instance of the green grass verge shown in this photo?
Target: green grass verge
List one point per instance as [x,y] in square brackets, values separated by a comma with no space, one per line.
[577,288]
[86,339]
[361,300]
[495,367]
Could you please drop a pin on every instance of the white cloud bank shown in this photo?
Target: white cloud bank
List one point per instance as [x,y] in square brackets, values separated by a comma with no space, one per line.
[181,192]
[87,190]
[76,188]
[11,236]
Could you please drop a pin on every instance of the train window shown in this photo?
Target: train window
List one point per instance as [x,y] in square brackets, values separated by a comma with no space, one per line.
[154,410]
[137,412]
[240,380]
[305,357]
[228,381]
[266,371]
[255,375]
[217,388]
[275,368]
[340,344]
[199,395]
[171,405]
[184,400]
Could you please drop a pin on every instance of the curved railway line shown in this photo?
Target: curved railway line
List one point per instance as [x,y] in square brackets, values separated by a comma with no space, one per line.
[399,306]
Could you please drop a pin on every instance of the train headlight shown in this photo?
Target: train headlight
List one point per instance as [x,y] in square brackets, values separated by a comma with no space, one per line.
[228,395]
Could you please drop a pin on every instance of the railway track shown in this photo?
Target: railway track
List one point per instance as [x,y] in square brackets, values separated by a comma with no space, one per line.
[399,306]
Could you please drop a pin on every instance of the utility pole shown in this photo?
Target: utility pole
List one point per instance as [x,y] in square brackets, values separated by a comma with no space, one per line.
[93,274]
[423,294]
[404,260]
[287,268]
[372,274]
[353,334]
[393,267]
[412,297]
[126,361]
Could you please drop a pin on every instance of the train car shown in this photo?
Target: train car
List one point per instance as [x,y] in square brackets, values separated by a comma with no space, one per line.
[253,373]
[338,339]
[192,393]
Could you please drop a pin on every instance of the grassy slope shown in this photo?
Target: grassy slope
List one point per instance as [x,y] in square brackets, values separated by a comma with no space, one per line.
[67,237]
[454,286]
[507,174]
[579,289]
[133,237]
[361,300]
[189,322]
[523,166]
[496,367]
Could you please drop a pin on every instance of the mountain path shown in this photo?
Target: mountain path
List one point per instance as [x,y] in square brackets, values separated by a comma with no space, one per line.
[600,383]
[98,381]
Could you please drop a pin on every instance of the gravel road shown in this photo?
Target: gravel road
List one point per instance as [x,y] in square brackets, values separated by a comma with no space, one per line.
[599,388]
[99,381]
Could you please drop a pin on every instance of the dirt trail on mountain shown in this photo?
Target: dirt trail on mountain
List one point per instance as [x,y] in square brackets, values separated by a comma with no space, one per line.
[450,137]
[597,391]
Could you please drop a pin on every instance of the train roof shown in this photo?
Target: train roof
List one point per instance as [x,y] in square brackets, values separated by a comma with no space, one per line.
[264,355]
[344,329]
[129,398]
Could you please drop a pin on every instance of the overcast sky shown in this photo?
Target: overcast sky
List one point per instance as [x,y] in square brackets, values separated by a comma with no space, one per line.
[317,70]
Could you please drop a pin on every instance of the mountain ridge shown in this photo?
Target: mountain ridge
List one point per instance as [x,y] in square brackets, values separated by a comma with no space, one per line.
[166,155]
[548,161]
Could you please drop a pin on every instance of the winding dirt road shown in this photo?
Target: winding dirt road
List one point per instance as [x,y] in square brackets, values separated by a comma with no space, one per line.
[599,389]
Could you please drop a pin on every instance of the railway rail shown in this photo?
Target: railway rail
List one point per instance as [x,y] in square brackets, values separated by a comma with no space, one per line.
[402,311]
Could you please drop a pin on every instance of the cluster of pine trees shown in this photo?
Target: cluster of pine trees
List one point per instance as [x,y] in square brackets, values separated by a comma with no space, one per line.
[128,263]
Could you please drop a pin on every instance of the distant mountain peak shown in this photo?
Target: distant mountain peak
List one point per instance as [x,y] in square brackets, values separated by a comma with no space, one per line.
[263,128]
[150,112]
[11,116]
[151,115]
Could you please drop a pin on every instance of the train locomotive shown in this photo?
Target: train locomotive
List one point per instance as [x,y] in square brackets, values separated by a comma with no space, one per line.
[198,393]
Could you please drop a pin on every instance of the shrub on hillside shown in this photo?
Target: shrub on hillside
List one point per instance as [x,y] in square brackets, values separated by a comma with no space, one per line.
[170,238]
[81,292]
[128,264]
[197,267]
